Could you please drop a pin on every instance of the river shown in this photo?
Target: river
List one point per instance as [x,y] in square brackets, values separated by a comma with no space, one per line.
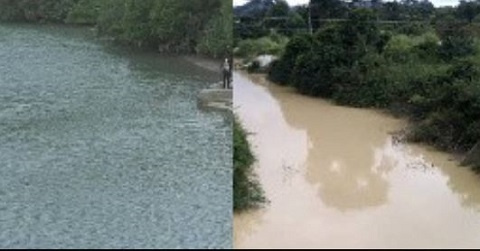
[104,147]
[336,178]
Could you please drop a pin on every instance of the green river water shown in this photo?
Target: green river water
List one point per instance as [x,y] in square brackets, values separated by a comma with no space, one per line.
[103,146]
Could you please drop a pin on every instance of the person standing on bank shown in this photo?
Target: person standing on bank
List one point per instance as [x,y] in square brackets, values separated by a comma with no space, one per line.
[226,73]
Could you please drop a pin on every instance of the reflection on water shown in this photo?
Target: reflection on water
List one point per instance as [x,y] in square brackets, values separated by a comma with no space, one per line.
[335,177]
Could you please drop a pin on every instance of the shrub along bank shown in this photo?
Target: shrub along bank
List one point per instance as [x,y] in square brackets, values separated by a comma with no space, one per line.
[246,190]
[187,26]
[434,78]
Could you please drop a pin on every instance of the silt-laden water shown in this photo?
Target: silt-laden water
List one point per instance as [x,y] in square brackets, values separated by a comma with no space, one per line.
[337,178]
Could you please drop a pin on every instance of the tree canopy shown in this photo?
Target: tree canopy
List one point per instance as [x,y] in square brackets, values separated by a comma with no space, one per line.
[193,26]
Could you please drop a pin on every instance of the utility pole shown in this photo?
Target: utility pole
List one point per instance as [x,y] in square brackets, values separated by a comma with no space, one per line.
[310,17]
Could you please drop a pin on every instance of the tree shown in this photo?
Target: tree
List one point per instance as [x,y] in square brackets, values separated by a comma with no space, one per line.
[326,9]
[392,11]
[425,9]
[84,12]
[279,9]
[173,25]
[467,10]
[361,34]
[218,34]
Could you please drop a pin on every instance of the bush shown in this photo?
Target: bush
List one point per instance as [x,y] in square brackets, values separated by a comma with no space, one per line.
[254,66]
[272,45]
[35,11]
[427,48]
[309,74]
[217,38]
[414,29]
[246,190]
[146,23]
[434,81]
[399,48]
[456,44]
[451,108]
[280,70]
[84,12]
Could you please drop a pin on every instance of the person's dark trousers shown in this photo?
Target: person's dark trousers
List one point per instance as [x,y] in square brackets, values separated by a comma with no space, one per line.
[226,79]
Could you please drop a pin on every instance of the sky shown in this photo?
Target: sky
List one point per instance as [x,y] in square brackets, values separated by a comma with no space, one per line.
[297,2]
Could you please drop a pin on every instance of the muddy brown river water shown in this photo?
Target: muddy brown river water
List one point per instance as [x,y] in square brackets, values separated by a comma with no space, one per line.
[336,178]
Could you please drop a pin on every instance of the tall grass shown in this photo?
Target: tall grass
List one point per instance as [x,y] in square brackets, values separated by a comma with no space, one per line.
[247,192]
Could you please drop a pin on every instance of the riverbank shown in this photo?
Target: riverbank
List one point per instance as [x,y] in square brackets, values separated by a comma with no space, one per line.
[337,178]
[213,97]
[207,63]
[431,76]
[402,135]
[160,25]
[247,192]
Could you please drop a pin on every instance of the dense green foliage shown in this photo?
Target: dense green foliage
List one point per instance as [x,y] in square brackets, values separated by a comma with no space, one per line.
[246,190]
[190,26]
[280,70]
[434,78]
[259,18]
[35,10]
[272,44]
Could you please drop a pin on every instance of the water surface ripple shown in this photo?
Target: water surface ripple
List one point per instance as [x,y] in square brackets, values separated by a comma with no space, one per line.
[102,146]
